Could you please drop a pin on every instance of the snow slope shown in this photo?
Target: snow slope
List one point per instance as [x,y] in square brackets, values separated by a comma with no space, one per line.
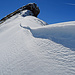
[28,46]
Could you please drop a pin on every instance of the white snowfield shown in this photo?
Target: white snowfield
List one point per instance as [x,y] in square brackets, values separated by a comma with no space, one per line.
[28,46]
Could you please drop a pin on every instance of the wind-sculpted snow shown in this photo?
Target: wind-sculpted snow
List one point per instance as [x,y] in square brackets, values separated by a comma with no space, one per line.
[63,34]
[29,47]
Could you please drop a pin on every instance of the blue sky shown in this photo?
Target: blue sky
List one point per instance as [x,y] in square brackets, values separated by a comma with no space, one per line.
[51,11]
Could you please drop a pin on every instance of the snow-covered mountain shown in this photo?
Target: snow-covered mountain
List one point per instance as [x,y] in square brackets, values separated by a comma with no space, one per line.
[29,46]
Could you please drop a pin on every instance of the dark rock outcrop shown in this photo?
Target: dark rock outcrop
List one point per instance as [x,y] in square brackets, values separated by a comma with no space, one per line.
[31,6]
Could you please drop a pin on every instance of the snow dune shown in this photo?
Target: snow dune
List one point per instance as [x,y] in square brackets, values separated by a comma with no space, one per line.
[28,46]
[62,33]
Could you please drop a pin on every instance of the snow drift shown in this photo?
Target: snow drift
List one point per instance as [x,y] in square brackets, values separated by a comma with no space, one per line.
[29,46]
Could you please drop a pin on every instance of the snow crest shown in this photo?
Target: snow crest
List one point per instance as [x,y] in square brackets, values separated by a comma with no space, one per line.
[28,46]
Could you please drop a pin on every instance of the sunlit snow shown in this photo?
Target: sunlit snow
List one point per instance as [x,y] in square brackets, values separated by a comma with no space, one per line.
[29,46]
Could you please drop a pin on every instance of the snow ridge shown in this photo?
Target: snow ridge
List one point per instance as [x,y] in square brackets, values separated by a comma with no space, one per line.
[28,46]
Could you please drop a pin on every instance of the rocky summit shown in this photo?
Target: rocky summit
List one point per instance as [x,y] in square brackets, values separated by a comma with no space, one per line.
[31,6]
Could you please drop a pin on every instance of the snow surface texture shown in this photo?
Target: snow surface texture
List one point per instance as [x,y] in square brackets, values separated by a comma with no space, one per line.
[28,46]
[26,13]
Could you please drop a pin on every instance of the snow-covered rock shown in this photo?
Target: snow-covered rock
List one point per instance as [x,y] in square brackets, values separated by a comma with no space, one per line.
[26,13]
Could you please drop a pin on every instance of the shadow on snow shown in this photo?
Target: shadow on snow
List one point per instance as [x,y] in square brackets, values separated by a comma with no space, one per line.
[57,34]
